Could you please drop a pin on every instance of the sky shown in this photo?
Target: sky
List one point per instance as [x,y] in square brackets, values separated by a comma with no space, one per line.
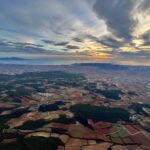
[116,31]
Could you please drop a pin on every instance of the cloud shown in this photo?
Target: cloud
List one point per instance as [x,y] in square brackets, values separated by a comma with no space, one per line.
[52,19]
[90,27]
[144,6]
[61,44]
[72,47]
[48,41]
[77,39]
[3,43]
[146,38]
[110,42]
[55,43]
[117,15]
[9,46]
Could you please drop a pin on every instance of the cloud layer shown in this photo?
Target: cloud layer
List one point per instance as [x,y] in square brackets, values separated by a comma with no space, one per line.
[101,29]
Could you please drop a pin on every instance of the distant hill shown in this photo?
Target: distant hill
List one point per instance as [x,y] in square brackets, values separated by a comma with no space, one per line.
[109,66]
[12,59]
[104,66]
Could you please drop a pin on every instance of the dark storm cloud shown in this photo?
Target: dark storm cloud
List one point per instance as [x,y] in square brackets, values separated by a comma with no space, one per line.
[145,5]
[61,44]
[146,37]
[117,15]
[55,43]
[72,47]
[110,42]
[48,41]
[92,37]
[77,39]
[107,41]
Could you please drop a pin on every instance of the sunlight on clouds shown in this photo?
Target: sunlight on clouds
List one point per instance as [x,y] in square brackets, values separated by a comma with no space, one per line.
[138,42]
[145,47]
[103,30]
[95,55]
[29,41]
[91,45]
[103,56]
[129,49]
[142,18]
